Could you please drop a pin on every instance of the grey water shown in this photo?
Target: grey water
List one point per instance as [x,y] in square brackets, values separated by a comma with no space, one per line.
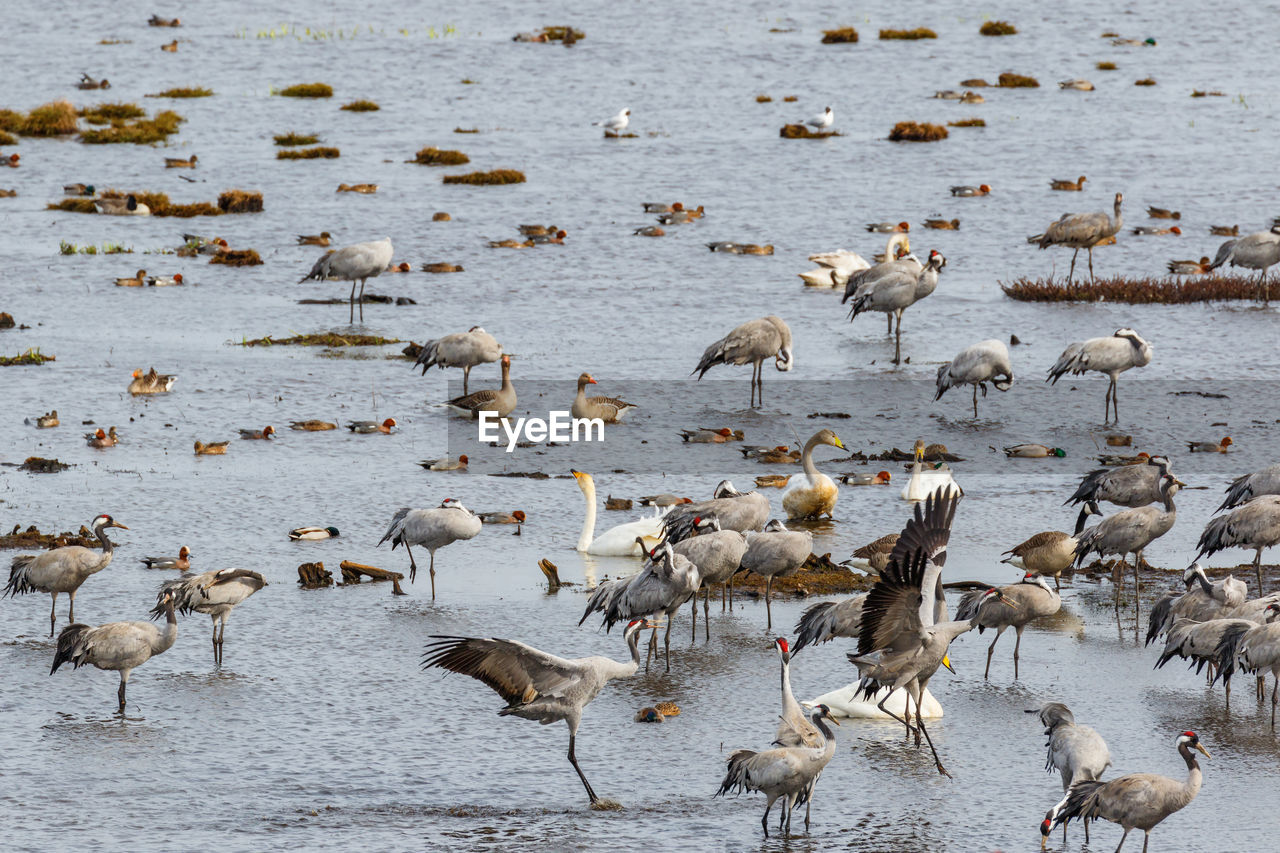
[319,731]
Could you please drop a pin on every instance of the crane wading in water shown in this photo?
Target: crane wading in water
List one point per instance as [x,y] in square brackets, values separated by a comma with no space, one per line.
[360,262]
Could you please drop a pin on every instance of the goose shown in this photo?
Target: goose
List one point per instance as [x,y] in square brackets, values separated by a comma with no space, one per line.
[619,541]
[62,569]
[874,556]
[150,382]
[925,481]
[499,403]
[1047,553]
[608,409]
[816,493]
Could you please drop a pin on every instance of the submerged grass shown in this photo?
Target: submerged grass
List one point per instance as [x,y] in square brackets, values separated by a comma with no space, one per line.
[917,131]
[30,357]
[321,339]
[309,153]
[240,201]
[184,92]
[974,83]
[56,118]
[998,28]
[843,35]
[107,113]
[361,107]
[1145,81]
[494,177]
[1106,66]
[11,120]
[1136,291]
[74,205]
[305,90]
[143,131]
[967,122]
[7,138]
[237,258]
[292,138]
[432,156]
[908,35]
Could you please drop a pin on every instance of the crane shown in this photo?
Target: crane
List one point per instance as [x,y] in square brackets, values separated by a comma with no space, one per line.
[1256,525]
[1254,649]
[894,291]
[1128,485]
[461,349]
[985,361]
[752,343]
[1018,605]
[536,685]
[716,554]
[734,510]
[794,729]
[1111,355]
[117,646]
[1199,600]
[432,529]
[1076,752]
[776,551]
[1262,482]
[1258,251]
[1082,231]
[62,569]
[213,593]
[358,262]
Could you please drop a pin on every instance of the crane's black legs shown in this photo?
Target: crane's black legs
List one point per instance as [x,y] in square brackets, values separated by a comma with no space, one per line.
[706,613]
[897,340]
[53,614]
[124,682]
[351,303]
[990,649]
[574,761]
[413,566]
[768,607]
[666,641]
[1016,646]
[466,373]
[889,317]
[71,613]
[1090,264]
[363,280]
[432,564]
[921,728]
[1073,265]
[881,706]
[975,401]
[1257,567]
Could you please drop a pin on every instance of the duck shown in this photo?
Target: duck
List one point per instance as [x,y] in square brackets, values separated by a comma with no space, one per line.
[99,438]
[814,494]
[366,189]
[925,480]
[514,517]
[213,448]
[942,224]
[971,192]
[1149,231]
[650,231]
[972,98]
[755,249]
[179,163]
[1209,446]
[511,244]
[664,502]
[150,382]
[681,217]
[556,238]
[78,189]
[321,239]
[446,464]
[442,268]
[8,193]
[1068,186]
[403,266]
[1200,267]
[367,427]
[617,504]
[1118,439]
[48,420]
[1078,85]
[174,280]
[755,451]
[661,207]
[619,541]
[1033,451]
[537,230]
[1115,460]
[649,715]
[12,160]
[888,227]
[181,562]
[499,403]
[87,82]
[171,47]
[865,478]
[263,434]
[137,281]
[711,436]
[773,481]
[779,456]
[298,533]
[611,410]
[948,95]
[1161,213]
[874,556]
[157,21]
[1225,230]
[115,206]
[1124,42]
[312,426]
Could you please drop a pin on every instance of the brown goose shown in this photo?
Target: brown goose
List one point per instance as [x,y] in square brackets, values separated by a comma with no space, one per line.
[500,403]
[608,409]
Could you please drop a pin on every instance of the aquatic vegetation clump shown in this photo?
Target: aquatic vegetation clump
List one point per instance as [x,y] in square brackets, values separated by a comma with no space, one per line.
[908,35]
[563,34]
[107,113]
[11,120]
[494,177]
[7,138]
[56,118]
[967,122]
[143,131]
[186,211]
[843,35]
[320,152]
[799,131]
[974,83]
[361,106]
[917,131]
[322,339]
[65,248]
[296,139]
[1009,80]
[1145,81]
[466,130]
[998,28]
[1137,291]
[240,201]
[184,92]
[763,99]
[30,357]
[1106,66]
[74,205]
[237,258]
[432,156]
[306,90]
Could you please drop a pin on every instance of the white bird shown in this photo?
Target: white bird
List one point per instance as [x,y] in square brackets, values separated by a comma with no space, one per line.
[615,124]
[815,493]
[784,772]
[893,287]
[62,569]
[1076,752]
[359,262]
[835,268]
[536,685]
[432,529]
[213,593]
[985,361]
[752,343]
[925,480]
[619,541]
[774,552]
[1258,251]
[822,120]
[460,349]
[1256,526]
[1112,355]
[117,646]
[1082,231]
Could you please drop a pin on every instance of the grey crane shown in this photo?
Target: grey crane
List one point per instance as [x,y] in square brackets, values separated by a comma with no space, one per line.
[893,292]
[732,509]
[900,644]
[794,728]
[213,593]
[1253,648]
[663,585]
[461,349]
[786,772]
[776,551]
[1199,600]
[1258,251]
[1199,642]
[359,262]
[1129,531]
[499,403]
[1077,752]
[1112,356]
[717,555]
[1128,485]
[432,529]
[117,646]
[752,343]
[1255,526]
[898,261]
[1136,801]
[985,361]
[1082,231]
[827,620]
[1018,606]
[1263,482]
[62,569]
[536,685]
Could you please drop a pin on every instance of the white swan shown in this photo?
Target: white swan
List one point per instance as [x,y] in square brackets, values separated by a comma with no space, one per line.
[926,480]
[617,541]
[843,703]
[815,493]
[834,268]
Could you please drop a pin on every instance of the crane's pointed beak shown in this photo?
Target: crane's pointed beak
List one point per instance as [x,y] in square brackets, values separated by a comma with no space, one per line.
[117,524]
[946,661]
[1203,750]
[833,720]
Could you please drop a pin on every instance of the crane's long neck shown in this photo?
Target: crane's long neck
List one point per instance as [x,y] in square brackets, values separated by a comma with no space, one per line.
[107,546]
[788,698]
[1168,501]
[628,669]
[806,461]
[1119,223]
[1204,584]
[1194,776]
[169,633]
[588,487]
[828,736]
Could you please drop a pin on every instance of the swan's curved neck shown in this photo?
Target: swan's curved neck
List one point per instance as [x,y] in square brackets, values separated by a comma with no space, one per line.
[806,461]
[589,523]
[896,239]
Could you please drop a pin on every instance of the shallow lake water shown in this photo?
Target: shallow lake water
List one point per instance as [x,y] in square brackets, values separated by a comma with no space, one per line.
[319,731]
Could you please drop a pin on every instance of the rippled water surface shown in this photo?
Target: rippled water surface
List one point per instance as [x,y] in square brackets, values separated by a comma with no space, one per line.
[320,732]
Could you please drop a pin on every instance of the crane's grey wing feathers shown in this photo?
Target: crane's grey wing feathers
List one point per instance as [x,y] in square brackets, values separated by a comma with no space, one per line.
[516,672]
